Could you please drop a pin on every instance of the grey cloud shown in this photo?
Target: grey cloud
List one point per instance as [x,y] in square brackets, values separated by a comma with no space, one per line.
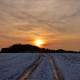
[53,13]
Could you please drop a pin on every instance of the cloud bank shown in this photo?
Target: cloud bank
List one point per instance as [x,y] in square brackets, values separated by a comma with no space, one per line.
[57,21]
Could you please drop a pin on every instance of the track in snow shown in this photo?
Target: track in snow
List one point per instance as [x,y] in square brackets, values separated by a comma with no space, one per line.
[56,72]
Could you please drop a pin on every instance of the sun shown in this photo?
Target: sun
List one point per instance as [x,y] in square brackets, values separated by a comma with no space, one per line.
[38,42]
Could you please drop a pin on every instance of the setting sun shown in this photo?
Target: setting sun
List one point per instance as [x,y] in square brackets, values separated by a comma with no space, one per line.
[38,42]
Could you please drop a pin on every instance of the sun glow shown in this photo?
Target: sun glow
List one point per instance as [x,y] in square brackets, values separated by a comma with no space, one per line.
[38,42]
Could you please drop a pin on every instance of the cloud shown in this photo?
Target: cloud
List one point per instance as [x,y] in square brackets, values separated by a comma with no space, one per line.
[51,19]
[55,14]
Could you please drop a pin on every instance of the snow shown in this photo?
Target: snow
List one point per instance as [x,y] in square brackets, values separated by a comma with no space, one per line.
[43,72]
[69,64]
[12,65]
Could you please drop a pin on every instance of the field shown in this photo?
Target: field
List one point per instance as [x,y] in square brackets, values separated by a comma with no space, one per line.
[36,66]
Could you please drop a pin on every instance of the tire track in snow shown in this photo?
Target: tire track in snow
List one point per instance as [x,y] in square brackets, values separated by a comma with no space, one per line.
[56,72]
[30,70]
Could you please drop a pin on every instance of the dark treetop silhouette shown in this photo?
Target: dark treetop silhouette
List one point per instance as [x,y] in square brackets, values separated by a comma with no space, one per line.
[27,48]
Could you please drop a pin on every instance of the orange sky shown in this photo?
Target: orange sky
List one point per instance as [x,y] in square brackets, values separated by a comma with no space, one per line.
[55,22]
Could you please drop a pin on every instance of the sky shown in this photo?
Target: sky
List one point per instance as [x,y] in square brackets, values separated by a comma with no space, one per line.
[57,22]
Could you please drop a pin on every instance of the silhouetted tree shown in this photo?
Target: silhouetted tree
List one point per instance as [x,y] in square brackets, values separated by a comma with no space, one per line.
[27,48]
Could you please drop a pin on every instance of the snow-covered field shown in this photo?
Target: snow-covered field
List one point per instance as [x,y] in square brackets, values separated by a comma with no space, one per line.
[16,66]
